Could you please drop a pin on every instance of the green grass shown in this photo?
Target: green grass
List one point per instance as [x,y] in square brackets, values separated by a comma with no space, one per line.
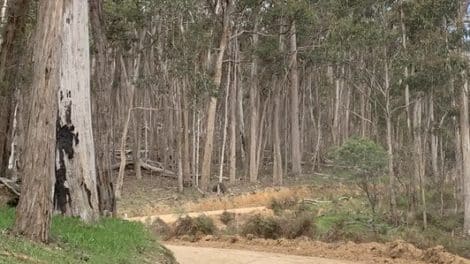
[107,241]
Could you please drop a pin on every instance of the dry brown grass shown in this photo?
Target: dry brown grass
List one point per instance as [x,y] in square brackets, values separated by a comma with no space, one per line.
[154,195]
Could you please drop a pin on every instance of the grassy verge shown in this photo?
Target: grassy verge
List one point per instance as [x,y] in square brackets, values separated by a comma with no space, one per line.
[107,241]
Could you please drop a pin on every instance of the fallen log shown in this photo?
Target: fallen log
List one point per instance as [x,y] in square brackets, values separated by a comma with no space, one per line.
[13,186]
[148,167]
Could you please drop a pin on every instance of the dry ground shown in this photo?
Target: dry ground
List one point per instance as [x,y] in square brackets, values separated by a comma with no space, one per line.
[154,197]
[397,252]
[199,255]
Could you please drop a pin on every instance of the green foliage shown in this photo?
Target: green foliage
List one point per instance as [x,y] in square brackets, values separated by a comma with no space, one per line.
[297,224]
[343,226]
[366,161]
[107,241]
[280,205]
[362,156]
[227,217]
[201,225]
[160,228]
[262,226]
[289,225]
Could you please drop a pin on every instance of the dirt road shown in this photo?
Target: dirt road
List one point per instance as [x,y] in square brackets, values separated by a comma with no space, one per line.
[171,218]
[200,255]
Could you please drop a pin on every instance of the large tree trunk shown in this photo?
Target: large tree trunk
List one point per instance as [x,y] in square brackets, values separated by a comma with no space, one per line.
[217,78]
[75,188]
[14,24]
[294,104]
[102,120]
[34,212]
[465,141]
[465,131]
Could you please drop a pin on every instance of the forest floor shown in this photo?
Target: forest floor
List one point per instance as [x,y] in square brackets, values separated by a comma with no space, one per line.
[344,227]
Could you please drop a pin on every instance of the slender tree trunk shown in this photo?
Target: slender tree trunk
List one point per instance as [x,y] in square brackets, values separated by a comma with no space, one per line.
[217,78]
[337,103]
[233,118]
[224,127]
[102,120]
[34,212]
[186,159]
[277,156]
[419,156]
[136,147]
[253,170]
[15,20]
[388,120]
[241,118]
[294,104]
[75,188]
[434,141]
[406,73]
[179,138]
[130,86]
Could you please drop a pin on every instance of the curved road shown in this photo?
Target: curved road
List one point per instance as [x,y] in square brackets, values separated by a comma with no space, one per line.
[200,255]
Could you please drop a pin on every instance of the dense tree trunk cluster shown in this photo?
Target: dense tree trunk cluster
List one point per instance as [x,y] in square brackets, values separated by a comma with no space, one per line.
[225,90]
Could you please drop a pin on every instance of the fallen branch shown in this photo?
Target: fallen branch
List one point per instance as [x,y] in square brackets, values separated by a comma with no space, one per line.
[19,256]
[11,185]
[148,167]
[315,201]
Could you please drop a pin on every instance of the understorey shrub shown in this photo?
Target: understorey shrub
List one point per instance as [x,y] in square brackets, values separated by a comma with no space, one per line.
[280,205]
[194,226]
[296,225]
[264,227]
[227,217]
[160,228]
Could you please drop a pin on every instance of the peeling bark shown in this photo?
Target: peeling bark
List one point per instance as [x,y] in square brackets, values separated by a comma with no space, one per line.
[34,211]
[76,191]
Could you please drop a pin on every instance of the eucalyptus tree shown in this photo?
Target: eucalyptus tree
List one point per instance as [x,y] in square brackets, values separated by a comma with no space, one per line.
[35,206]
[101,87]
[14,15]
[224,10]
[76,185]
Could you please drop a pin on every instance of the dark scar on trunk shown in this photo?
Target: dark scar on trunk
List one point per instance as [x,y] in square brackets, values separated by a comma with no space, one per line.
[65,140]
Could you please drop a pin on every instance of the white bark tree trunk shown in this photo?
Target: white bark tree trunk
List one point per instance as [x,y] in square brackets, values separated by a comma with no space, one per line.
[294,96]
[76,192]
[253,169]
[465,141]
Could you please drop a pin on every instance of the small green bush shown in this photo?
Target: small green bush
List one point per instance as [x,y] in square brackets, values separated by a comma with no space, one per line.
[204,225]
[297,225]
[227,217]
[280,205]
[366,162]
[264,227]
[194,226]
[160,228]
